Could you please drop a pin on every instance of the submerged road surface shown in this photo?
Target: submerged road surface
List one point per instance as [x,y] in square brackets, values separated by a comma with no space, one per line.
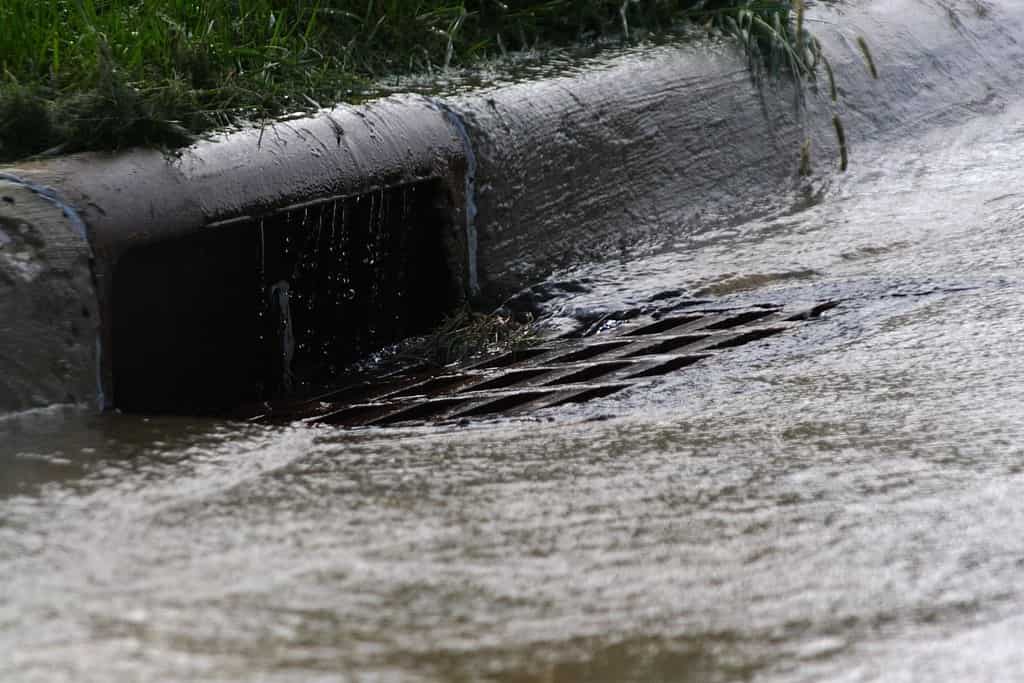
[843,502]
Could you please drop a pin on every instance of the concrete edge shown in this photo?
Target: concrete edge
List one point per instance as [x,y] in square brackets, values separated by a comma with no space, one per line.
[48,341]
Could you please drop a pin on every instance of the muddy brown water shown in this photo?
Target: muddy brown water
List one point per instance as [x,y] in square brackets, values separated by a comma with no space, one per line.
[839,503]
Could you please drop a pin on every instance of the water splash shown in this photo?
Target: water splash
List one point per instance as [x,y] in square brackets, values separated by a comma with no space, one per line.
[455,119]
[280,306]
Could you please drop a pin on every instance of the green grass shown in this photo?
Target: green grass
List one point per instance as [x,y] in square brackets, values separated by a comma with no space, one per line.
[103,74]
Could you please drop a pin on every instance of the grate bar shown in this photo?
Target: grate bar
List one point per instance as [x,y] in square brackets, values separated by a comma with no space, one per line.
[557,373]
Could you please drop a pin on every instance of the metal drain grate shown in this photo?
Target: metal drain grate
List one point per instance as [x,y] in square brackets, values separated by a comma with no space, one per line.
[557,372]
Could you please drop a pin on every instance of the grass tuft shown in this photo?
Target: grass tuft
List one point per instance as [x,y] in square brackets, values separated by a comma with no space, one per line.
[25,121]
[866,51]
[844,155]
[776,41]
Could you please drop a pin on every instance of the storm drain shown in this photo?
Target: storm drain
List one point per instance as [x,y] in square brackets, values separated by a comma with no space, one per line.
[553,373]
[246,309]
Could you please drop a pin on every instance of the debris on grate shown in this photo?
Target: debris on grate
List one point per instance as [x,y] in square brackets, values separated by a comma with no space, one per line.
[557,372]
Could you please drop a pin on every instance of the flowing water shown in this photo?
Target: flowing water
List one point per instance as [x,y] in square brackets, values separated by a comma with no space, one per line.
[838,503]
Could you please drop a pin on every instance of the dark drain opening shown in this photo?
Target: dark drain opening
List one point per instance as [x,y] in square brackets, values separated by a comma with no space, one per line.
[275,306]
[588,352]
[363,391]
[589,395]
[186,324]
[665,324]
[670,366]
[741,319]
[813,312]
[512,357]
[354,416]
[433,387]
[509,379]
[591,373]
[423,411]
[668,345]
[747,337]
[505,403]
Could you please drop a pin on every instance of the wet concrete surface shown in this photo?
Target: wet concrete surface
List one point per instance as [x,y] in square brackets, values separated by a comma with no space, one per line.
[680,138]
[840,503]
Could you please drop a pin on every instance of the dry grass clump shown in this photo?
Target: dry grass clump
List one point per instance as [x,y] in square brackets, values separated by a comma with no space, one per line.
[467,334]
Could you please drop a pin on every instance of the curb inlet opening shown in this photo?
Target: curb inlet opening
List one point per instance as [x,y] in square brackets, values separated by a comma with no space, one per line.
[275,306]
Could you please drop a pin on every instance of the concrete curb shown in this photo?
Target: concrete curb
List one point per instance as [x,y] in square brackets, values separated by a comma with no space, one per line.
[528,178]
[47,308]
[593,165]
